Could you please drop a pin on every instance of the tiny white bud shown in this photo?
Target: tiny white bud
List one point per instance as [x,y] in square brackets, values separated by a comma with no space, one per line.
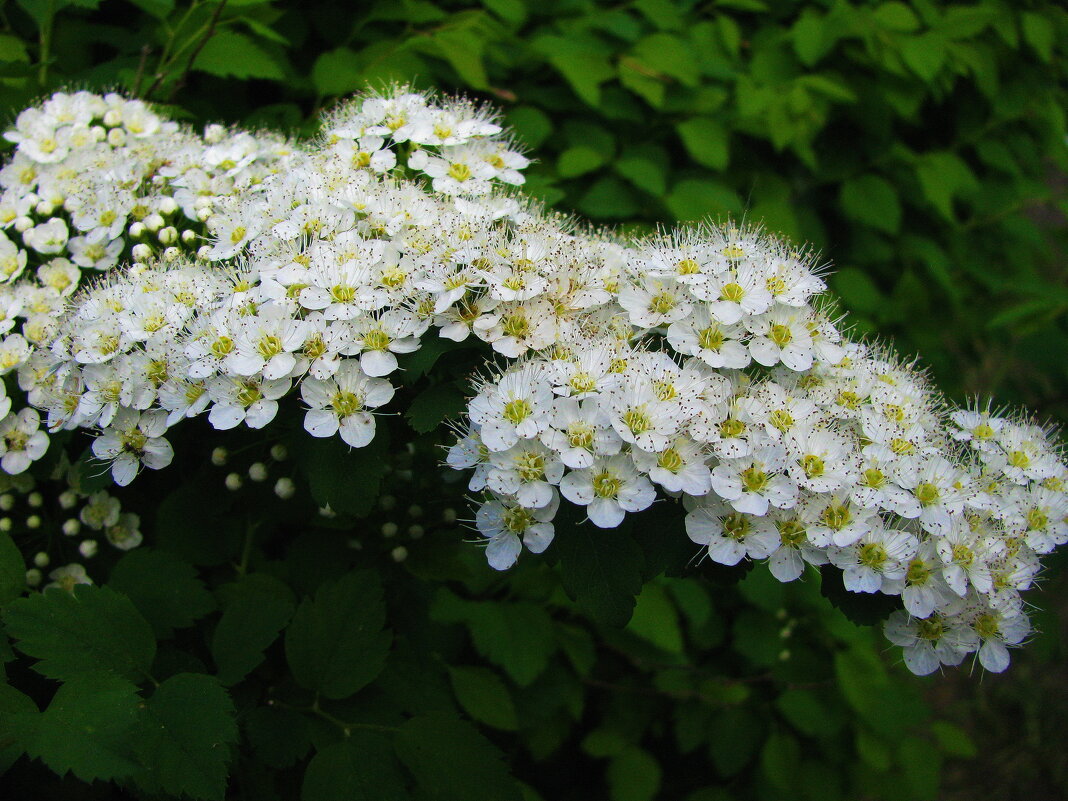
[98,133]
[168,235]
[219,456]
[5,524]
[284,488]
[784,655]
[214,133]
[168,205]
[72,526]
[35,499]
[327,512]
[416,532]
[387,502]
[33,521]
[389,529]
[88,548]
[399,554]
[33,577]
[7,502]
[44,208]
[203,214]
[112,117]
[137,229]
[233,481]
[141,252]
[279,452]
[41,559]
[257,471]
[116,137]
[189,236]
[203,252]
[153,222]
[23,224]
[171,254]
[67,499]
[415,510]
[449,515]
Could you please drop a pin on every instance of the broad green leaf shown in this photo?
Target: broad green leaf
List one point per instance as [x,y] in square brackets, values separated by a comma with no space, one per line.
[164,589]
[924,54]
[944,176]
[579,160]
[705,139]
[18,714]
[601,570]
[644,166]
[88,729]
[810,37]
[633,775]
[157,8]
[871,200]
[12,49]
[953,740]
[780,759]
[609,198]
[484,696]
[431,407]
[229,54]
[858,290]
[89,629]
[362,767]
[1039,33]
[807,712]
[337,72]
[922,767]
[12,570]
[655,619]
[532,125]
[638,79]
[694,199]
[344,478]
[336,643]
[185,738]
[583,63]
[897,16]
[734,737]
[245,630]
[451,761]
[670,55]
[279,737]
[462,47]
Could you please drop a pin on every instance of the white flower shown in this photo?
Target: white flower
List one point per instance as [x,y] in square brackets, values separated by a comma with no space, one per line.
[340,403]
[21,443]
[48,238]
[579,431]
[930,642]
[608,489]
[132,439]
[680,467]
[754,483]
[730,535]
[251,401]
[517,407]
[528,470]
[875,560]
[508,526]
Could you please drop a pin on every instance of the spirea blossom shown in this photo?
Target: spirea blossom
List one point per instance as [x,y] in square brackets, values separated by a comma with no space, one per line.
[149,275]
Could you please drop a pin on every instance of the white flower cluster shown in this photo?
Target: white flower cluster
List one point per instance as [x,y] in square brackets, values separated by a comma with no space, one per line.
[700,365]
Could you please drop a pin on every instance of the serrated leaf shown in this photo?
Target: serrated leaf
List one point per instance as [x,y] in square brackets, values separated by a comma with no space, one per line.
[706,140]
[185,738]
[279,737]
[484,696]
[12,570]
[88,729]
[431,407]
[228,54]
[872,200]
[18,713]
[346,479]
[451,761]
[164,589]
[656,620]
[336,644]
[89,629]
[245,630]
[601,570]
[362,767]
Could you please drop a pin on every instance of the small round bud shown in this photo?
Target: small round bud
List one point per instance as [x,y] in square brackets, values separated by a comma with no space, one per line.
[219,456]
[112,117]
[203,252]
[5,524]
[387,502]
[279,452]
[785,632]
[168,205]
[72,527]
[41,559]
[141,252]
[214,133]
[415,510]
[203,214]
[35,499]
[116,137]
[784,655]
[23,224]
[781,613]
[168,235]
[448,515]
[389,529]
[98,133]
[88,548]
[7,502]
[33,521]
[233,482]
[257,471]
[33,577]
[416,532]
[44,208]
[67,499]
[189,236]
[153,222]
[171,254]
[137,229]
[284,488]
[399,554]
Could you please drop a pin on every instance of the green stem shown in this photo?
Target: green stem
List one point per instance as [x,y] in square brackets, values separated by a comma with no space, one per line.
[345,726]
[45,40]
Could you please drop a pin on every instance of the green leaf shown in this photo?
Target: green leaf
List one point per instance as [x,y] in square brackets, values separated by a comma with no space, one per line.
[434,405]
[583,63]
[157,8]
[362,767]
[345,478]
[13,49]
[336,644]
[229,54]
[609,198]
[18,714]
[780,760]
[484,697]
[733,739]
[88,729]
[705,139]
[185,738]
[337,72]
[645,166]
[873,201]
[245,630]
[858,290]
[516,636]
[164,589]
[896,16]
[1038,32]
[12,570]
[953,740]
[656,620]
[922,767]
[669,55]
[279,737]
[601,570]
[924,54]
[89,629]
[807,713]
[462,47]
[811,38]
[695,199]
[944,176]
[532,125]
[633,775]
[451,761]
[579,160]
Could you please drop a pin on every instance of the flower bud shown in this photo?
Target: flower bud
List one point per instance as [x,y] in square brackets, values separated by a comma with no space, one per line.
[219,456]
[168,235]
[233,482]
[389,529]
[33,577]
[284,488]
[116,137]
[33,521]
[279,452]
[35,499]
[41,559]
[257,471]
[72,527]
[153,222]
[167,206]
[88,548]
[67,499]
[141,252]
[399,554]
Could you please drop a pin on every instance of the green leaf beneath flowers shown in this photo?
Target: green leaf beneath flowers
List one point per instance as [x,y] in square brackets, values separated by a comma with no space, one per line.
[229,54]
[89,629]
[12,570]
[362,767]
[164,589]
